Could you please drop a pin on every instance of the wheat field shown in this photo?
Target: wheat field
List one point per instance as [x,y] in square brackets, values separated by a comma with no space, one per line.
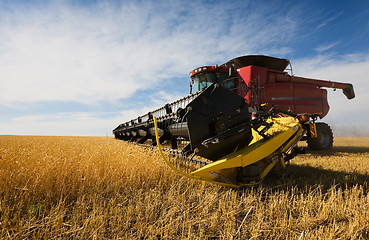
[102,188]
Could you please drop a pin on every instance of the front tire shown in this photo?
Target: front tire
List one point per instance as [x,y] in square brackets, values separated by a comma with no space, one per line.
[324,140]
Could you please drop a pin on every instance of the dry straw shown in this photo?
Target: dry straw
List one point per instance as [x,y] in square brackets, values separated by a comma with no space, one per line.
[102,188]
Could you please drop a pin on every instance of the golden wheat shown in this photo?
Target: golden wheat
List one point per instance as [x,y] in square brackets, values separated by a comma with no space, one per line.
[102,188]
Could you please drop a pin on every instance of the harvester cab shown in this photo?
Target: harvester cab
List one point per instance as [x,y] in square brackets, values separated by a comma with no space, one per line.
[244,119]
[203,77]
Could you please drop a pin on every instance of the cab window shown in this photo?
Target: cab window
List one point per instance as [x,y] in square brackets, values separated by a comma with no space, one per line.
[203,80]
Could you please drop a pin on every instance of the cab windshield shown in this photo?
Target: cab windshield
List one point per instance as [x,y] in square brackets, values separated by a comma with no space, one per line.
[204,80]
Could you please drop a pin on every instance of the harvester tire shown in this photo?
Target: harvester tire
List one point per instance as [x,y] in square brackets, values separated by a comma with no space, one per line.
[324,140]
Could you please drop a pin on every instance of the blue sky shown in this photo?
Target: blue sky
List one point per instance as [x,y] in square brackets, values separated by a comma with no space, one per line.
[83,67]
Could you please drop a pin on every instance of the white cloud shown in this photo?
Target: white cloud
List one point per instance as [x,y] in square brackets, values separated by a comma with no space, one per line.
[69,123]
[81,123]
[60,52]
[326,47]
[329,20]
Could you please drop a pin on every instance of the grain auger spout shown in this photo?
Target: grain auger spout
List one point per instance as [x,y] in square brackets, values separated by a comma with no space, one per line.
[347,88]
[244,119]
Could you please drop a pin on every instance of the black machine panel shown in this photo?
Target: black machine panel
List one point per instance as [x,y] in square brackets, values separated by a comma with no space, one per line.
[218,122]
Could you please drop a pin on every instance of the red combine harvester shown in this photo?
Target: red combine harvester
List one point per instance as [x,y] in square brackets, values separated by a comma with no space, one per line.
[232,130]
[262,81]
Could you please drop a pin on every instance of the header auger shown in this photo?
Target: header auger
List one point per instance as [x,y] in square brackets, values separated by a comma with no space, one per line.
[245,117]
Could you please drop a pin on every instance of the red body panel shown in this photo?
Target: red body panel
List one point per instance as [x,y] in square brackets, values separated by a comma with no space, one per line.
[295,97]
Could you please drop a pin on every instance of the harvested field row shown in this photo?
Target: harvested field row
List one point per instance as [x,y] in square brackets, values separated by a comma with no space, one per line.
[102,188]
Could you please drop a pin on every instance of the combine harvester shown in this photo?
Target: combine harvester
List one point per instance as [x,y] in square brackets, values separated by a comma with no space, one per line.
[244,119]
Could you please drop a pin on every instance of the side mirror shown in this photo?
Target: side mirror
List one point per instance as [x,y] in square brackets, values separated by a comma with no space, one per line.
[231,72]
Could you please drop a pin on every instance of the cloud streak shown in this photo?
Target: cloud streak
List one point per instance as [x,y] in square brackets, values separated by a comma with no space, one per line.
[326,47]
[107,52]
[325,22]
